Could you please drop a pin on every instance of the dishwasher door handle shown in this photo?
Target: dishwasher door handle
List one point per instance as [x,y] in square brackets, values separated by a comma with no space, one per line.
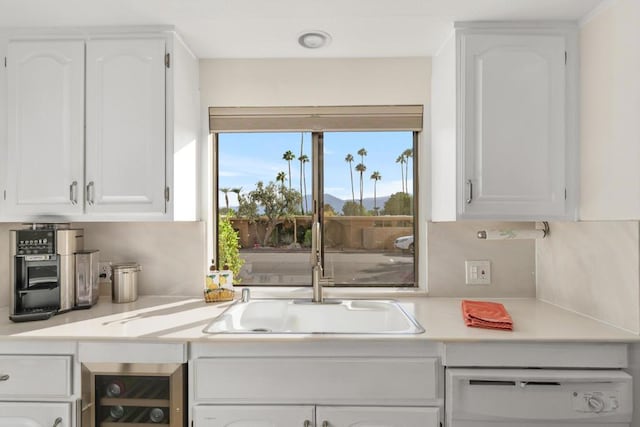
[512,383]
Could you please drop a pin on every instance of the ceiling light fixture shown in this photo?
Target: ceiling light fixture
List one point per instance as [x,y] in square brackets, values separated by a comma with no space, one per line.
[314,39]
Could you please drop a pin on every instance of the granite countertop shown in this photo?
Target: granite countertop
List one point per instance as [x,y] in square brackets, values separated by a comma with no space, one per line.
[181,319]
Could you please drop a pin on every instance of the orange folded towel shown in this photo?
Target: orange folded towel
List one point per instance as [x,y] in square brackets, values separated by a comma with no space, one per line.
[485,314]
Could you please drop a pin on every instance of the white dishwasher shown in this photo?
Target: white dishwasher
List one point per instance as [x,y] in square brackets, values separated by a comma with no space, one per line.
[537,397]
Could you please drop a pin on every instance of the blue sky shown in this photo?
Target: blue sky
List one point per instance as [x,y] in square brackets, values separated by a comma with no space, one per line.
[245,158]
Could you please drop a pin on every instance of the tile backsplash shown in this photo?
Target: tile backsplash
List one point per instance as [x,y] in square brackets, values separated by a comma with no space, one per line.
[172,256]
[592,268]
[512,261]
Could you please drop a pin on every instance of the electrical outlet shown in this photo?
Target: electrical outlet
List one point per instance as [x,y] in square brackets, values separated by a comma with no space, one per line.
[478,272]
[104,270]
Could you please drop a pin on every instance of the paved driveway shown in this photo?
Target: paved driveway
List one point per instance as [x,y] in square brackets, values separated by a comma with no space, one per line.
[280,267]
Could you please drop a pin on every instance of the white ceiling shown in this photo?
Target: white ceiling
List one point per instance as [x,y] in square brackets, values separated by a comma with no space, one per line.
[270,28]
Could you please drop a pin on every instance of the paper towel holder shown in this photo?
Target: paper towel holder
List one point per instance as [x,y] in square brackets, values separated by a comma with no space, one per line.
[515,234]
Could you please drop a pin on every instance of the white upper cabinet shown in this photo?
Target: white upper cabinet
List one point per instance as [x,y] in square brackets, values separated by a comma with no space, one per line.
[125,162]
[101,127]
[45,128]
[506,148]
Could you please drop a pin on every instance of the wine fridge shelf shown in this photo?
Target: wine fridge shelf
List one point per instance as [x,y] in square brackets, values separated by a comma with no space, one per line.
[126,401]
[125,424]
[139,416]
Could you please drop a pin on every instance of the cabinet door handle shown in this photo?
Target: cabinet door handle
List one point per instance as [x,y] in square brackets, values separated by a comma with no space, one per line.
[73,193]
[307,423]
[57,422]
[90,193]
[470,193]
[4,377]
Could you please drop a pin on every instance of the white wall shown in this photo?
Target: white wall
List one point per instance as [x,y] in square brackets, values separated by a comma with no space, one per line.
[186,131]
[444,144]
[290,82]
[3,117]
[610,112]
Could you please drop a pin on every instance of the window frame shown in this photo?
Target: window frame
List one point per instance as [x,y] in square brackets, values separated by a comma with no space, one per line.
[293,119]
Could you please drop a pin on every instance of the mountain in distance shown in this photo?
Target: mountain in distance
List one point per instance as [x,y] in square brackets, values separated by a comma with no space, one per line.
[337,203]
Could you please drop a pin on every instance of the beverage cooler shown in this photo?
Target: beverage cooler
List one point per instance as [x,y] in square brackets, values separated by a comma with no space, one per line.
[133,395]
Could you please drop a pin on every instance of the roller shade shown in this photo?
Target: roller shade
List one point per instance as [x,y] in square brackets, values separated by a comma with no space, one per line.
[343,118]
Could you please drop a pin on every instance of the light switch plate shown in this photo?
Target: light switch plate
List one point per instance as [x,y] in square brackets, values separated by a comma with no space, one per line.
[478,272]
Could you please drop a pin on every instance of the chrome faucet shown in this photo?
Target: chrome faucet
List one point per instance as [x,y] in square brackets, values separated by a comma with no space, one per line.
[316,263]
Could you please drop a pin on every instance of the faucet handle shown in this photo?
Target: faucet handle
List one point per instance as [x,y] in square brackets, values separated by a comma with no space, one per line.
[246,295]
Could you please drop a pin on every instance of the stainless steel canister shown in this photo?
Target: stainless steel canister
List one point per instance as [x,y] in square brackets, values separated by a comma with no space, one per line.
[125,282]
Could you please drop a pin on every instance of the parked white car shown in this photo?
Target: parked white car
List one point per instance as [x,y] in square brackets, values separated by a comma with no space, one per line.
[405,243]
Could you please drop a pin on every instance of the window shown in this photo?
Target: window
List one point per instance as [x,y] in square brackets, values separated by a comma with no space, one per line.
[358,183]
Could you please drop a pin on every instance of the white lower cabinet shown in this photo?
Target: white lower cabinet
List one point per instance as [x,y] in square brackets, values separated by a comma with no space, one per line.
[316,384]
[35,414]
[325,416]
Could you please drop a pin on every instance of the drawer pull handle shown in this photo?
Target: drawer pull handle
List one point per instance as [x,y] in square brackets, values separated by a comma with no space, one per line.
[57,422]
[4,377]
[325,424]
[307,423]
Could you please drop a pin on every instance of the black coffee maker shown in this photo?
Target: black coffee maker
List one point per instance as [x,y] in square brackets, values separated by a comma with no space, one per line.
[43,270]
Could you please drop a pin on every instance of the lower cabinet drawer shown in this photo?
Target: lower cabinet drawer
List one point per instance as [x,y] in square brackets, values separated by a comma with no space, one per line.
[35,376]
[342,381]
[307,416]
[35,414]
[236,415]
[377,416]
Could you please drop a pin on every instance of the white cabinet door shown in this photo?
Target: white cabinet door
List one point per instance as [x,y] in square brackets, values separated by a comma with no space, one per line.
[125,161]
[513,126]
[45,127]
[345,416]
[35,414]
[253,416]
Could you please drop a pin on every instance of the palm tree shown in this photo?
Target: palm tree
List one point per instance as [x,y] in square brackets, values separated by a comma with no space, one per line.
[401,160]
[362,153]
[375,176]
[237,190]
[360,167]
[304,159]
[281,177]
[349,159]
[288,156]
[226,190]
[408,153]
[301,174]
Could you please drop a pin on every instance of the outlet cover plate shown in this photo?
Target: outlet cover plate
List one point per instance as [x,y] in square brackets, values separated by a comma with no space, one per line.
[477,272]
[104,270]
